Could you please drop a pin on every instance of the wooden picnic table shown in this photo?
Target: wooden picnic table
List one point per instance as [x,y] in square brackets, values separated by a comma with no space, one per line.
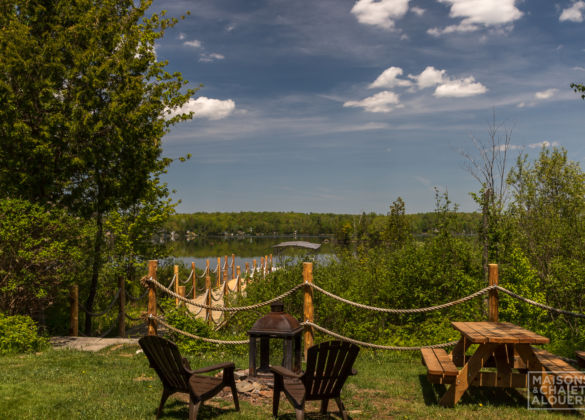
[502,345]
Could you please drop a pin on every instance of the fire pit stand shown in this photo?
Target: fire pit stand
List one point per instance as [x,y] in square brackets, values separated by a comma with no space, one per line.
[276,324]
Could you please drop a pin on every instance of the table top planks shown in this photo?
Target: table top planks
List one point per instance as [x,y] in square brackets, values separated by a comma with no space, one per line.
[498,332]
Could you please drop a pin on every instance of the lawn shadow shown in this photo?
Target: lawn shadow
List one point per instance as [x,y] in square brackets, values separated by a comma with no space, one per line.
[177,409]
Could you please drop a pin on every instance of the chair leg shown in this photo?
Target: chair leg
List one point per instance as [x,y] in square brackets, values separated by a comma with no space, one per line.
[235,395]
[324,405]
[165,395]
[341,408]
[300,412]
[276,396]
[193,408]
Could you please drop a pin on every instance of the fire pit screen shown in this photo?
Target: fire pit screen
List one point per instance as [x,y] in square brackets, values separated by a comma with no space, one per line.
[276,324]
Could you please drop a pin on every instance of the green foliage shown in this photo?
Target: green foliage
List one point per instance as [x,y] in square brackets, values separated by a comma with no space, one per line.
[579,88]
[18,334]
[42,253]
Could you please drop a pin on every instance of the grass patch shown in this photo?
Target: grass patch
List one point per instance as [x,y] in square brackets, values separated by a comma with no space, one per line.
[117,383]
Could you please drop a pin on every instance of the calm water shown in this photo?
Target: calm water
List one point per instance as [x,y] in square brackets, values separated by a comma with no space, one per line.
[247,250]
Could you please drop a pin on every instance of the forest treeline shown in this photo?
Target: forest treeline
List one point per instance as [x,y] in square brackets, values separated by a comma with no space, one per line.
[343,226]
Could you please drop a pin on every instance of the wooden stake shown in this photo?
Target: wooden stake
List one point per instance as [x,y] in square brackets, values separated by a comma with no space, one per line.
[270,267]
[74,318]
[308,309]
[238,273]
[218,271]
[493,294]
[208,287]
[152,265]
[176,275]
[194,280]
[233,266]
[122,310]
[182,294]
[226,286]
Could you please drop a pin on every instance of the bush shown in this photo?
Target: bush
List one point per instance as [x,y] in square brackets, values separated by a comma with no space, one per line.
[18,334]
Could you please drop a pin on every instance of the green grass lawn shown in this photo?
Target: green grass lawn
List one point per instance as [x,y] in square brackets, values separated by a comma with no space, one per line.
[117,383]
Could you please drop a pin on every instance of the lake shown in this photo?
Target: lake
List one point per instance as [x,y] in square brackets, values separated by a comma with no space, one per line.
[248,249]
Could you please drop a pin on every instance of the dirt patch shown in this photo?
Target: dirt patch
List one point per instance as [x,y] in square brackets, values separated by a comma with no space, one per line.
[143,378]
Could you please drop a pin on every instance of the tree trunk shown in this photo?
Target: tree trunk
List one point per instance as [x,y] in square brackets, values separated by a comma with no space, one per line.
[95,270]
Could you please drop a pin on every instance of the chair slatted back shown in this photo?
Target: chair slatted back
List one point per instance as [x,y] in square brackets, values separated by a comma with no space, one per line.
[166,360]
[328,366]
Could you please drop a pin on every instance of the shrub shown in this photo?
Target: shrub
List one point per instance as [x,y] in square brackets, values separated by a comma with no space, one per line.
[18,334]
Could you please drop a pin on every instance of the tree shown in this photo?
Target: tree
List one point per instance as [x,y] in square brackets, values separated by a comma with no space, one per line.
[489,168]
[85,105]
[579,88]
[397,231]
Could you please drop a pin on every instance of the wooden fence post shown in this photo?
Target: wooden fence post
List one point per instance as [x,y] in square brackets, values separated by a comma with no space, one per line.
[226,284]
[218,271]
[262,266]
[122,310]
[308,309]
[74,318]
[152,265]
[493,294]
[238,273]
[182,294]
[208,299]
[194,280]
[271,262]
[233,266]
[254,267]
[176,276]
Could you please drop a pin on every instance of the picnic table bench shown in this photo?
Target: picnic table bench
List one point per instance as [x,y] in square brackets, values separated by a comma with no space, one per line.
[505,346]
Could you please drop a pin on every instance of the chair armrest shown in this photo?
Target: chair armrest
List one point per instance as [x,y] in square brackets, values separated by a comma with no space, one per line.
[282,371]
[353,372]
[226,365]
[186,363]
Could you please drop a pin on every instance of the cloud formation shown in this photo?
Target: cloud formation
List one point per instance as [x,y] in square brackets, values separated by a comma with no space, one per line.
[210,57]
[573,13]
[538,145]
[202,107]
[194,43]
[459,88]
[381,13]
[476,14]
[389,79]
[385,101]
[430,76]
[545,94]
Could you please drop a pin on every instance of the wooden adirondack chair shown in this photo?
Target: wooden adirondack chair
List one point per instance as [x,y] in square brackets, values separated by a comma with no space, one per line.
[176,375]
[328,366]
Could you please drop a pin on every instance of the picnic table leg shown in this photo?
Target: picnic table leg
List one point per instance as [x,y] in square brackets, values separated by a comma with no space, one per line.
[533,365]
[503,366]
[467,374]
[458,353]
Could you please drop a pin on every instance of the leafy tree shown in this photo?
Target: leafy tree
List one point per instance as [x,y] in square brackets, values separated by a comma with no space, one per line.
[397,232]
[41,253]
[85,105]
[579,88]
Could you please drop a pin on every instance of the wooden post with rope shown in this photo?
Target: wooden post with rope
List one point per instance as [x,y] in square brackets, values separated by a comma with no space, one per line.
[493,294]
[208,287]
[74,313]
[152,265]
[122,310]
[182,294]
[176,276]
[194,278]
[238,272]
[308,310]
[233,266]
[218,271]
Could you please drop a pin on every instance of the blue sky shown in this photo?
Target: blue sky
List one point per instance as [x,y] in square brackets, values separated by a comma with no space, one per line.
[343,106]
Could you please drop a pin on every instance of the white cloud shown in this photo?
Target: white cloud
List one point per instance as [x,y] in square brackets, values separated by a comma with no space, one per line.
[181,36]
[430,76]
[573,13]
[385,101]
[381,13]
[545,94]
[417,10]
[389,79]
[579,68]
[202,107]
[478,13]
[195,43]
[460,88]
[208,58]
[538,145]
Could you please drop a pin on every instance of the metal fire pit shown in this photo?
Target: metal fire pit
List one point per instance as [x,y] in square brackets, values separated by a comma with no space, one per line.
[276,324]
